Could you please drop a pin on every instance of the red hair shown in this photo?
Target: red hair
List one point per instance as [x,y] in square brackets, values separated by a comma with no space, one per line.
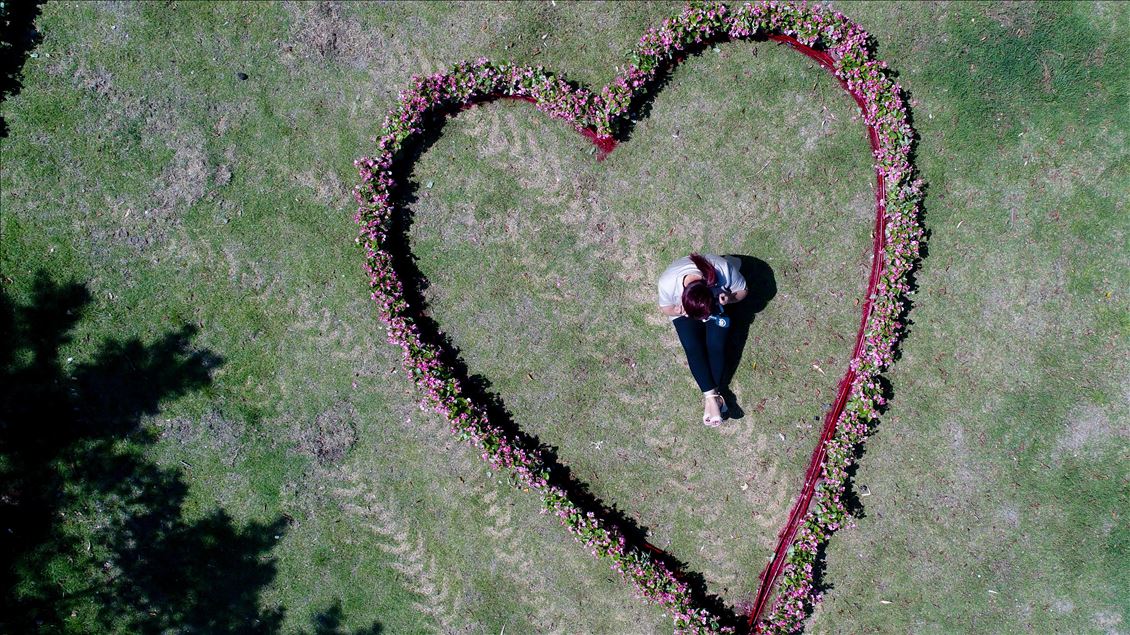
[698,298]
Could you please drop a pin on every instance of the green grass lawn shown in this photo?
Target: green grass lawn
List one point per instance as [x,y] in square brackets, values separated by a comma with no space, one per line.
[208,432]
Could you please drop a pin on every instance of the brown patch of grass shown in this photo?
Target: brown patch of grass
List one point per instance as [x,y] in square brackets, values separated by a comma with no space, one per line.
[244,271]
[321,31]
[1016,17]
[223,173]
[183,181]
[327,187]
[150,219]
[1109,621]
[212,431]
[329,436]
[332,32]
[98,81]
[488,126]
[1091,427]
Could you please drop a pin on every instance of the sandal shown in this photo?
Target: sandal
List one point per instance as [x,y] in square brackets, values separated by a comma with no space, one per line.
[712,421]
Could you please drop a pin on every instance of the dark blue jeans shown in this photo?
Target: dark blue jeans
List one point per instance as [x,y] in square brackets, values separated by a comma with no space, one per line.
[705,345]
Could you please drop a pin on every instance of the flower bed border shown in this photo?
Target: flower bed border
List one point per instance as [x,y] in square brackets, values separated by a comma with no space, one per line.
[837,44]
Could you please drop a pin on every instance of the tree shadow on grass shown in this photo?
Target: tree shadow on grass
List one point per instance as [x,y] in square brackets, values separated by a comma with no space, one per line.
[94,536]
[17,37]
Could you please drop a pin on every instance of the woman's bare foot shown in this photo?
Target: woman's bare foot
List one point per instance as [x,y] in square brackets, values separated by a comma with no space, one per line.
[712,416]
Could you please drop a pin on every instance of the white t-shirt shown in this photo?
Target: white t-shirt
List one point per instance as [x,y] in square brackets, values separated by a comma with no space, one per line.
[729,277]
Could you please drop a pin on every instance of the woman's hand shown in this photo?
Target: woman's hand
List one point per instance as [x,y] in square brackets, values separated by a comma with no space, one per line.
[731,298]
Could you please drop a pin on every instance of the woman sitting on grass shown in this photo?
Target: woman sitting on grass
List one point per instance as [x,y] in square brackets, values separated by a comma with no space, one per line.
[692,291]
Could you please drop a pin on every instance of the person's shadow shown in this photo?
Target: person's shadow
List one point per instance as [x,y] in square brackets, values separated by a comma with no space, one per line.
[762,287]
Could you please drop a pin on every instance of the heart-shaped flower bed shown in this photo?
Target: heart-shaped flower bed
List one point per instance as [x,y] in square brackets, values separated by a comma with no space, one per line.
[837,44]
